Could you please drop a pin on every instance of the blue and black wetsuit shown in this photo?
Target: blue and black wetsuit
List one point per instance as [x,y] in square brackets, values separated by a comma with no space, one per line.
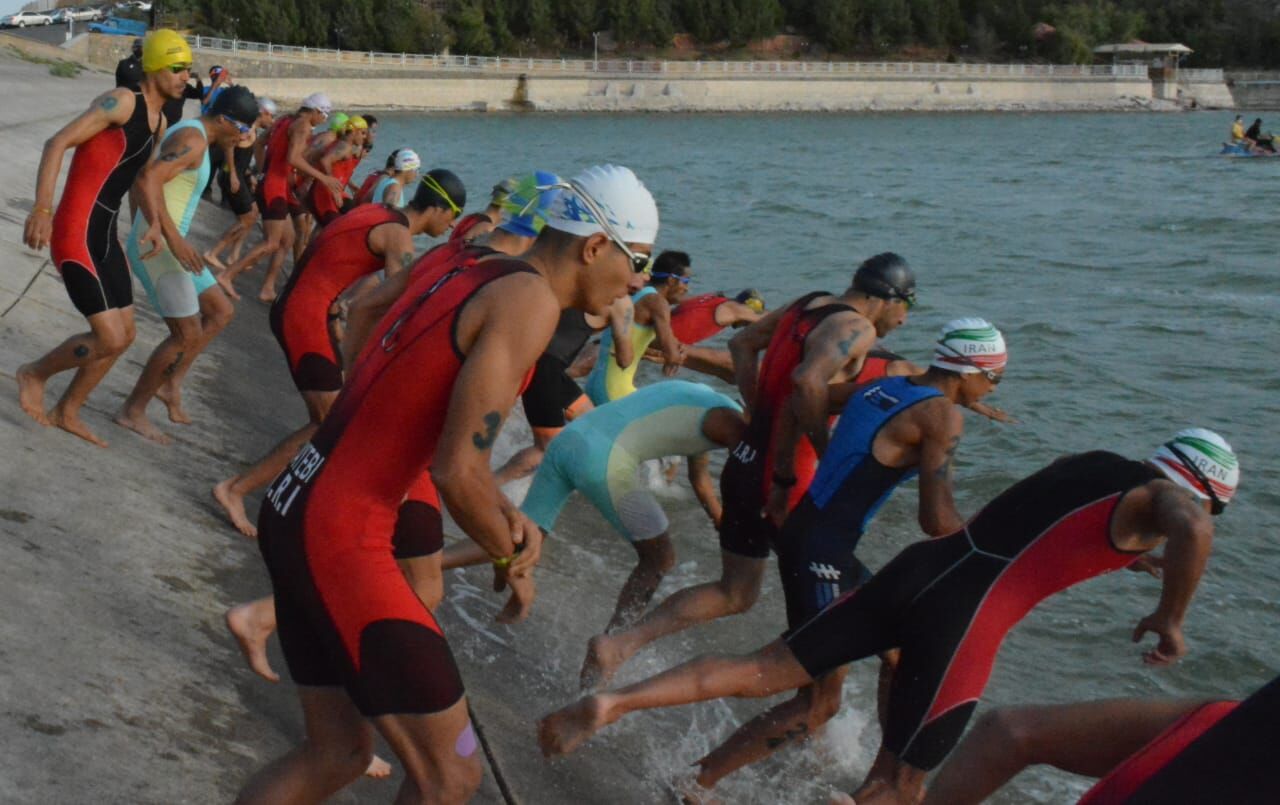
[816,547]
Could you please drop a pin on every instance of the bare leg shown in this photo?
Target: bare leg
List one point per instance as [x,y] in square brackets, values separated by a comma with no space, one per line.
[526,461]
[424,575]
[735,592]
[656,558]
[337,750]
[440,754]
[464,554]
[793,721]
[1088,738]
[252,624]
[277,237]
[231,492]
[216,312]
[268,292]
[770,670]
[184,337]
[92,355]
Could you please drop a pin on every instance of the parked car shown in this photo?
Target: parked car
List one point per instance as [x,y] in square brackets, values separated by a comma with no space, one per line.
[60,16]
[85,13]
[118,26]
[24,18]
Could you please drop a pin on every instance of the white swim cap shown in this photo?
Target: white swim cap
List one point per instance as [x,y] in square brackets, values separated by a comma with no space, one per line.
[967,346]
[317,101]
[629,209]
[407,160]
[267,105]
[1201,461]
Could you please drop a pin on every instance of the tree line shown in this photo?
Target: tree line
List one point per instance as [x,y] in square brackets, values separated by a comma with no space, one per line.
[1222,32]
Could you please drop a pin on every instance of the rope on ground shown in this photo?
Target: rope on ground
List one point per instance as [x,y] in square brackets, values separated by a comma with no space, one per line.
[22,295]
[507,795]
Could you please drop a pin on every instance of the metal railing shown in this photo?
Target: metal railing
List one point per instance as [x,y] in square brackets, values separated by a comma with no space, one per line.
[622,67]
[1214,76]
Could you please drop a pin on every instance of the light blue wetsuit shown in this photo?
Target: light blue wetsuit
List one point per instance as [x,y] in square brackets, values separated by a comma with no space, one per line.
[599,453]
[609,381]
[174,292]
[381,187]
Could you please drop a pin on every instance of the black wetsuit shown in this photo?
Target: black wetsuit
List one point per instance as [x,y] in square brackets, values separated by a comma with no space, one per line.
[551,390]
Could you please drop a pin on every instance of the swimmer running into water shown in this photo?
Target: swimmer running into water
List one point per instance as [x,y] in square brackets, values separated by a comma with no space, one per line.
[947,603]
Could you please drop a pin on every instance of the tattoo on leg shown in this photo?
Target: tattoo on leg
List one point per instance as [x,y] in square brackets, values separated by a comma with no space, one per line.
[173,367]
[81,351]
[797,733]
[485,441]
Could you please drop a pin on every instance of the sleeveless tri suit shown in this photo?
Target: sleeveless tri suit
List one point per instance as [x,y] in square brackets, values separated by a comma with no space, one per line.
[84,245]
[694,319]
[347,616]
[948,602]
[275,191]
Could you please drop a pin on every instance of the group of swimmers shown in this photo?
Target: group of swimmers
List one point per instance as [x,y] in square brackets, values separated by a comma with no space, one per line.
[409,364]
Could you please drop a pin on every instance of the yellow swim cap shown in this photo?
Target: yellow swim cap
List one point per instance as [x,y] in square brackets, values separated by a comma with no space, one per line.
[357,122]
[164,48]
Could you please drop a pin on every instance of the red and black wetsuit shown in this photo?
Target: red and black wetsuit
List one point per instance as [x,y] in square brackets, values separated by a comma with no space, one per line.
[275,191]
[948,603]
[346,614]
[694,319]
[875,366]
[748,472]
[1223,752]
[320,197]
[338,257]
[365,193]
[84,245]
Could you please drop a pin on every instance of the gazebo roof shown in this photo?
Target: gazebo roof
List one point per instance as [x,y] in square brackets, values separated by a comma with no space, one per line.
[1142,49]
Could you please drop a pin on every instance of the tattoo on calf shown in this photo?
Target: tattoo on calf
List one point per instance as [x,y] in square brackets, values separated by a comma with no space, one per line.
[796,733]
[485,441]
[81,351]
[173,367]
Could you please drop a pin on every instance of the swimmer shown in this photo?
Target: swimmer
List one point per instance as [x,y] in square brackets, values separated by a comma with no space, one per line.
[614,374]
[364,194]
[390,189]
[193,306]
[698,318]
[889,431]
[1145,750]
[238,187]
[339,160]
[112,140]
[814,341]
[283,160]
[363,650]
[948,602]
[599,454]
[369,238]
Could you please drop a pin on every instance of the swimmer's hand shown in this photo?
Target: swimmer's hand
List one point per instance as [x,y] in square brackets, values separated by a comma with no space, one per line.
[234,181]
[187,255]
[992,413]
[1153,565]
[1171,646]
[38,229]
[671,368]
[527,538]
[334,186]
[151,242]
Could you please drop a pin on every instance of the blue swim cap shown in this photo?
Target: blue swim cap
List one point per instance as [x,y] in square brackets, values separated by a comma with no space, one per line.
[524,206]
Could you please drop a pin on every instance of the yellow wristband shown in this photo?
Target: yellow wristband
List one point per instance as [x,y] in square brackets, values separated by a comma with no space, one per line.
[503,562]
[45,210]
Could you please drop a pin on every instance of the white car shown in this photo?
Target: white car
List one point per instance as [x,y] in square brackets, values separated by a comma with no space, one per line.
[84,13]
[24,18]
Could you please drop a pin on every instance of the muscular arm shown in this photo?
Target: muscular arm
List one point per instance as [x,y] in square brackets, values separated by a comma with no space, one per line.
[735,314]
[504,349]
[835,343]
[1190,539]
[395,244]
[181,152]
[940,433]
[707,360]
[659,312]
[110,109]
[745,348]
[621,315]
[366,310]
[704,486]
[392,194]
[299,131]
[229,165]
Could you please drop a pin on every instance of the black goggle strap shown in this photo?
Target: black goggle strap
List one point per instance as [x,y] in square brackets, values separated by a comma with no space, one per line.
[1216,505]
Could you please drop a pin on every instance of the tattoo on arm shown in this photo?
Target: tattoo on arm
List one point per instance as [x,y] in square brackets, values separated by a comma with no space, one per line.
[944,471]
[846,346]
[406,259]
[108,103]
[485,441]
[173,156]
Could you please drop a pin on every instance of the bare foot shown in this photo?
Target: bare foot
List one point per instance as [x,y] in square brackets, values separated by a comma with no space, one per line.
[691,793]
[564,730]
[604,658]
[212,259]
[378,768]
[251,631]
[225,282]
[31,394]
[172,399]
[232,503]
[71,424]
[267,295]
[142,426]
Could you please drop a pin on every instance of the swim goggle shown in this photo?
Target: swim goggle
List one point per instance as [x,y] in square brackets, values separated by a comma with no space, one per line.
[1216,504]
[640,263]
[994,377]
[180,67]
[663,275]
[430,181]
[240,127]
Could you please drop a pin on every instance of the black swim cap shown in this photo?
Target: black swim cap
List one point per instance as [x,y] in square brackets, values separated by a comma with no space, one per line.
[886,276]
[237,103]
[440,188]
